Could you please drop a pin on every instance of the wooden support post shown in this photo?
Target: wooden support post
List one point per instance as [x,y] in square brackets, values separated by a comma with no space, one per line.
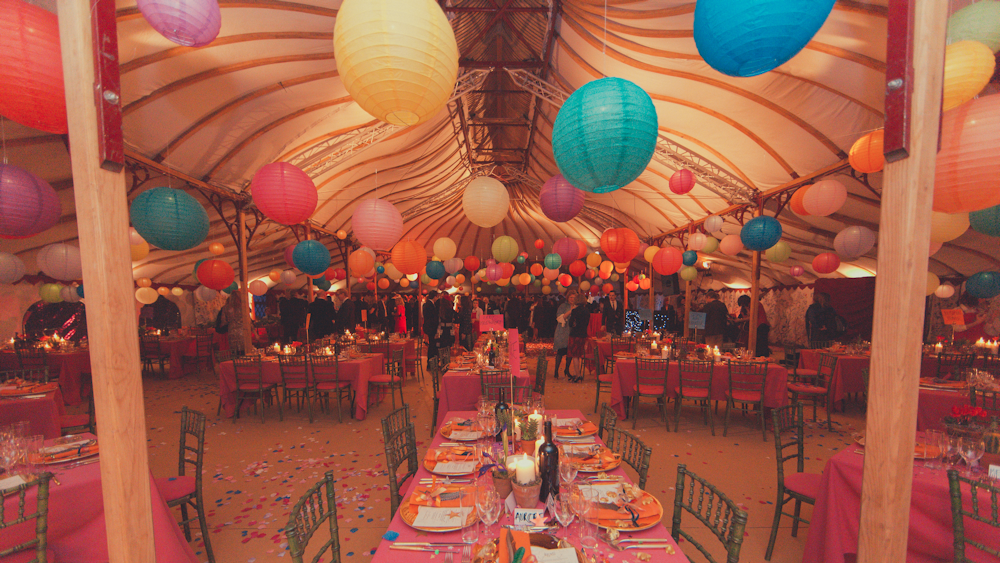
[244,287]
[754,295]
[624,297]
[687,295]
[652,301]
[309,283]
[102,223]
[904,234]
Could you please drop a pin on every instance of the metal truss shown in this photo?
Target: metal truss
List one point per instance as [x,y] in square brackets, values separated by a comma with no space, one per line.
[442,196]
[668,153]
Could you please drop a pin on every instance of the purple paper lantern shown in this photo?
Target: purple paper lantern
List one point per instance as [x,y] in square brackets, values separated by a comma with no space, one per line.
[560,201]
[567,249]
[28,204]
[192,23]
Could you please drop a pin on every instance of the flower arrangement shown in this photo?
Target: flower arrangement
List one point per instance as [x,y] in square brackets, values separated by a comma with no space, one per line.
[967,415]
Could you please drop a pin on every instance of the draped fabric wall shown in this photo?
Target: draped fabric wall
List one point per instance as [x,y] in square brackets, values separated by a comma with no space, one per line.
[853,299]
[785,308]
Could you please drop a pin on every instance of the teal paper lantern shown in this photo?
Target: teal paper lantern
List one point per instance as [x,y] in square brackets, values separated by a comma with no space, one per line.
[553,261]
[311,257]
[169,219]
[984,285]
[322,283]
[751,37]
[231,288]
[380,269]
[521,259]
[604,135]
[689,257]
[760,233]
[79,290]
[435,270]
[986,221]
[196,264]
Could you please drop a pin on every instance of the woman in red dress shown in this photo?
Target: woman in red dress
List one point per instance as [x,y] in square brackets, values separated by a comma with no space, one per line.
[400,316]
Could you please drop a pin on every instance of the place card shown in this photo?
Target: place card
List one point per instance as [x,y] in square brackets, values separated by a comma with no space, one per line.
[562,555]
[994,472]
[609,492]
[578,449]
[455,467]
[526,516]
[465,435]
[446,517]
[567,422]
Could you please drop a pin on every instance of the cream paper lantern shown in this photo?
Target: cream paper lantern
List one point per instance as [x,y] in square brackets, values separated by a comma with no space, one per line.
[713,223]
[397,58]
[697,241]
[146,295]
[948,226]
[945,291]
[486,201]
[444,248]
[649,254]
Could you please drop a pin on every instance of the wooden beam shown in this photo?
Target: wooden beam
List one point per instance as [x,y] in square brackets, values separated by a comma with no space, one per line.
[908,188]
[112,322]
[244,281]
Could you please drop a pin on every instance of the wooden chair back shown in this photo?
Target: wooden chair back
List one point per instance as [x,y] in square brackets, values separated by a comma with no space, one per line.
[247,370]
[609,420]
[32,357]
[38,375]
[748,376]
[192,447]
[633,451]
[295,370]
[621,344]
[981,507]
[712,508]
[695,374]
[952,365]
[317,505]
[21,515]
[788,428]
[400,445]
[541,374]
[989,400]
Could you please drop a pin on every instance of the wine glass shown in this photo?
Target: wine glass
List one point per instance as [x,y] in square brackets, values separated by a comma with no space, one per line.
[563,510]
[932,439]
[567,472]
[586,510]
[953,447]
[488,507]
[971,450]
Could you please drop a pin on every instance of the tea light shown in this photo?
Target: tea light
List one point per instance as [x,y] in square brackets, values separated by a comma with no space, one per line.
[938,348]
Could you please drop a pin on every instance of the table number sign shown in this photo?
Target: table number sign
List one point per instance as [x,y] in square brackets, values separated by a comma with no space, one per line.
[490,322]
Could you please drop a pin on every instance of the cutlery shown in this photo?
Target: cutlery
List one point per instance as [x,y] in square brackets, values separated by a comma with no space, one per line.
[413,548]
[80,463]
[620,547]
[427,544]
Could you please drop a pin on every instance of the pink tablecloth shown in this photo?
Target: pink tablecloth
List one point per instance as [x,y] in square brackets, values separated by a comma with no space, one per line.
[65,367]
[847,376]
[461,389]
[408,534]
[77,531]
[623,384]
[356,372]
[42,413]
[409,348]
[833,532]
[935,404]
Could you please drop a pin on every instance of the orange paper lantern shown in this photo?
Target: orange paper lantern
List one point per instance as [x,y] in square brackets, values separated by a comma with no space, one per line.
[216,248]
[215,274]
[620,245]
[536,269]
[360,262]
[577,268]
[796,201]
[409,256]
[826,263]
[275,275]
[566,280]
[607,288]
[143,282]
[866,154]
[383,283]
[967,177]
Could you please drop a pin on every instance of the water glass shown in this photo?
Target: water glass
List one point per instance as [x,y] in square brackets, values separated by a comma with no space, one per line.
[935,449]
[953,448]
[30,447]
[972,449]
[470,533]
[567,472]
[488,506]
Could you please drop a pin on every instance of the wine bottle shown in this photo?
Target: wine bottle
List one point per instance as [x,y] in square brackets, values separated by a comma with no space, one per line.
[502,414]
[548,465]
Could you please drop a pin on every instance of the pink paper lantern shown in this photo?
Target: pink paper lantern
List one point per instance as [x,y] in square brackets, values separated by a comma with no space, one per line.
[731,245]
[824,197]
[560,201]
[257,287]
[682,181]
[288,256]
[796,271]
[28,204]
[667,261]
[377,223]
[567,249]
[853,242]
[31,76]
[284,193]
[826,263]
[60,261]
[192,23]
[494,272]
[697,241]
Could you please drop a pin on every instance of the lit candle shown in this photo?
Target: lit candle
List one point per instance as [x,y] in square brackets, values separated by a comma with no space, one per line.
[938,348]
[715,351]
[538,444]
[537,418]
[525,470]
[981,343]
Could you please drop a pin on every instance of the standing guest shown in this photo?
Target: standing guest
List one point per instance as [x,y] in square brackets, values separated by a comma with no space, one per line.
[381,313]
[465,322]
[430,313]
[232,316]
[613,314]
[974,326]
[761,346]
[560,342]
[360,311]
[477,313]
[446,321]
[323,316]
[512,316]
[716,314]
[579,319]
[532,327]
[524,317]
[400,315]
[821,319]
[293,315]
[344,319]
[412,314]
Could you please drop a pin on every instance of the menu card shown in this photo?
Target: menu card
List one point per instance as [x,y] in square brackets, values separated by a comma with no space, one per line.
[490,322]
[562,555]
[433,517]
[455,467]
[465,435]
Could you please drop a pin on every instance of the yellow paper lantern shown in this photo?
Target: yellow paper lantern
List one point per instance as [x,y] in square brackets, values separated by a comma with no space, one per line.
[139,251]
[866,153]
[948,226]
[397,58]
[593,259]
[584,285]
[711,245]
[933,282]
[645,283]
[968,67]
[650,253]
[546,290]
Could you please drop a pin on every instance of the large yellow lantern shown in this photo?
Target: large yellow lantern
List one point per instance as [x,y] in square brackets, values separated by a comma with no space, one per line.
[486,201]
[968,67]
[397,58]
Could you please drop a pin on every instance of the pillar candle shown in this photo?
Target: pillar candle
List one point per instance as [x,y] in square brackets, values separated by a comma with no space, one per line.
[525,470]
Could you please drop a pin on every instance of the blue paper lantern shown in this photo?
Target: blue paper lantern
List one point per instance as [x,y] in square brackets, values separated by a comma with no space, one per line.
[311,257]
[322,283]
[689,257]
[986,221]
[553,261]
[751,37]
[79,290]
[604,135]
[380,269]
[984,285]
[169,219]
[435,270]
[761,233]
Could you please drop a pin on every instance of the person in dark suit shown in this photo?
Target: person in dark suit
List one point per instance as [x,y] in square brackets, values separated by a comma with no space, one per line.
[345,313]
[612,314]
[380,312]
[323,315]
[430,313]
[412,316]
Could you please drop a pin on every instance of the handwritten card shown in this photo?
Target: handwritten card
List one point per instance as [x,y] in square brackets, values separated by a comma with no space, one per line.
[455,467]
[465,436]
[953,316]
[568,422]
[562,555]
[602,492]
[490,322]
[513,351]
[526,516]
[434,517]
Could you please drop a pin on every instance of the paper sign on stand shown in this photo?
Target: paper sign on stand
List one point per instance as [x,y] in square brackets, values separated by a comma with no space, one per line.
[490,322]
[513,352]
[953,317]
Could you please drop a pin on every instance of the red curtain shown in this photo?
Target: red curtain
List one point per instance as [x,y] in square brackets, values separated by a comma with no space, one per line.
[853,299]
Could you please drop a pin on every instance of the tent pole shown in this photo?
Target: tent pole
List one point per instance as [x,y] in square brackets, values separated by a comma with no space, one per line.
[687,295]
[244,287]
[652,301]
[754,294]
[904,235]
[309,281]
[102,223]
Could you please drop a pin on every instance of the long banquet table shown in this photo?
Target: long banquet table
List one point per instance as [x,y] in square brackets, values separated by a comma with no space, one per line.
[356,371]
[624,377]
[65,366]
[461,389]
[935,404]
[833,531]
[408,534]
[76,528]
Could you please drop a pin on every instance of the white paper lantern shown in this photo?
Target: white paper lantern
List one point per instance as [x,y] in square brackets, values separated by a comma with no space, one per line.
[147,295]
[697,241]
[854,242]
[713,223]
[205,294]
[11,268]
[486,201]
[444,248]
[177,291]
[945,291]
[60,261]
[824,197]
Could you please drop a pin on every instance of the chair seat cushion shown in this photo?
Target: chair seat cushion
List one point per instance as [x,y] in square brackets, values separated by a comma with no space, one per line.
[173,488]
[807,373]
[805,389]
[693,392]
[251,387]
[649,389]
[804,483]
[745,396]
[27,555]
[70,420]
[605,378]
[384,378]
[331,385]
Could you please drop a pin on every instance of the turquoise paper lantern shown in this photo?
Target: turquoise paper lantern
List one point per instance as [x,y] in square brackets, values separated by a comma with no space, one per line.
[604,135]
[760,233]
[984,285]
[169,219]
[689,257]
[986,221]
[311,257]
[322,283]
[231,288]
[751,37]
[553,261]
[435,270]
[79,290]
[196,264]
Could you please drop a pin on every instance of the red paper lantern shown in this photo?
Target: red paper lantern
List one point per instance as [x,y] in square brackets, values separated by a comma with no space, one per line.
[507,269]
[31,76]
[577,268]
[607,288]
[668,260]
[340,273]
[620,245]
[682,181]
[536,269]
[409,256]
[284,193]
[826,263]
[589,274]
[567,249]
[215,274]
[582,247]
[371,285]
[288,256]
[28,204]
[565,280]
[539,244]
[967,176]
[472,263]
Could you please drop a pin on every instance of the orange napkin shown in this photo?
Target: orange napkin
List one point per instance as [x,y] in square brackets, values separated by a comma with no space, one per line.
[601,459]
[521,539]
[586,428]
[430,495]
[449,454]
[648,513]
[935,382]
[70,453]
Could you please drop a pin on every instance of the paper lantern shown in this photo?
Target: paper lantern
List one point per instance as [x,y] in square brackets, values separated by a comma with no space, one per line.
[504,249]
[31,76]
[175,291]
[60,261]
[697,241]
[471,263]
[453,265]
[139,251]
[494,272]
[824,197]
[550,274]
[444,248]
[621,267]
[866,153]
[231,288]
[11,268]
[581,248]
[731,245]
[288,256]
[979,21]
[507,269]
[566,280]
[460,278]
[257,287]
[69,295]
[546,290]
[667,261]
[650,253]
[134,237]
[934,247]
[645,284]
[560,201]
[536,269]
[383,283]
[689,257]
[933,282]
[593,260]
[967,175]
[681,181]
[215,274]
[854,242]
[713,223]
[205,294]
[986,221]
[378,224]
[321,284]
[486,201]
[521,257]
[284,193]
[143,282]
[778,253]
[311,257]
[604,135]
[826,263]
[948,226]
[28,204]
[404,283]
[760,233]
[795,203]
[567,250]
[984,285]
[711,245]
[169,219]
[584,286]
[191,23]
[945,291]
[360,262]
[435,270]
[968,67]
[164,291]
[146,295]
[688,273]
[620,245]
[577,268]
[401,77]
[539,244]
[607,288]
[796,271]
[747,38]
[553,261]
